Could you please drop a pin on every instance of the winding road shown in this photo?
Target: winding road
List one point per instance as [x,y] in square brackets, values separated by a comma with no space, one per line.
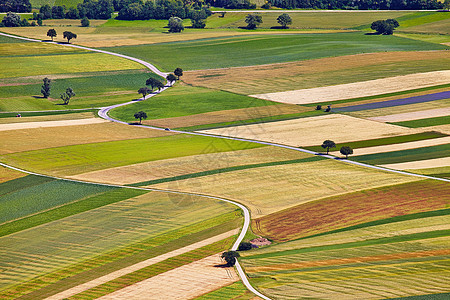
[103,113]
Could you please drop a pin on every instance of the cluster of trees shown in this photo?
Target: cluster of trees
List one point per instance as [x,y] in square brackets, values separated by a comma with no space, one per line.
[19,6]
[345,150]
[385,27]
[89,9]
[356,4]
[158,84]
[253,20]
[232,4]
[65,97]
[13,20]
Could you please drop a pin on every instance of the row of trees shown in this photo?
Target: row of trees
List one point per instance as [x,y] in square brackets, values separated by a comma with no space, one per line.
[20,6]
[13,20]
[345,150]
[356,4]
[66,34]
[90,9]
[158,84]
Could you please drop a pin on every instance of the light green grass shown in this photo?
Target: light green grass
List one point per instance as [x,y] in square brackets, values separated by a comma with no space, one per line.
[108,233]
[257,50]
[89,157]
[186,100]
[421,18]
[424,122]
[429,38]
[14,47]
[233,291]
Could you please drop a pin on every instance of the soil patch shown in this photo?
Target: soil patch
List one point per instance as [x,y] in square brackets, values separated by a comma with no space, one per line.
[29,125]
[421,164]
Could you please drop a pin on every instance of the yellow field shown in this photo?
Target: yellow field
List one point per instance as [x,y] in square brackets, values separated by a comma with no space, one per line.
[41,138]
[398,147]
[74,116]
[269,189]
[408,116]
[428,171]
[8,174]
[188,165]
[313,73]
[421,164]
[45,124]
[359,89]
[314,130]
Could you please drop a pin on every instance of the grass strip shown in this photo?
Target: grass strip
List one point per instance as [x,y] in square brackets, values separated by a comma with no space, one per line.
[235,290]
[379,96]
[436,121]
[116,195]
[155,269]
[380,241]
[225,170]
[427,214]
[17,184]
[45,113]
[385,141]
[442,296]
[65,278]
[252,121]
[405,155]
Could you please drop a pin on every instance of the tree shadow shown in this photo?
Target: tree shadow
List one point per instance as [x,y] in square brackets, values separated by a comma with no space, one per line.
[372,33]
[39,97]
[134,123]
[279,27]
[222,266]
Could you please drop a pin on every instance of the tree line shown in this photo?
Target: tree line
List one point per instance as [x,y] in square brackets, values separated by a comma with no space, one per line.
[356,4]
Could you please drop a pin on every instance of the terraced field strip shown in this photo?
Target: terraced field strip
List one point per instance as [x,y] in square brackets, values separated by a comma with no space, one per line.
[428,122]
[235,290]
[71,160]
[8,174]
[430,113]
[169,168]
[380,203]
[143,264]
[410,155]
[361,89]
[399,146]
[28,125]
[45,118]
[420,164]
[290,184]
[339,128]
[398,102]
[53,137]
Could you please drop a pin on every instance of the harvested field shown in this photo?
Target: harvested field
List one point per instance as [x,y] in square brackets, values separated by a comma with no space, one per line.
[290,185]
[61,123]
[235,290]
[354,208]
[441,128]
[420,164]
[227,116]
[45,118]
[189,164]
[50,137]
[8,174]
[314,130]
[431,113]
[361,89]
[397,102]
[398,147]
[317,72]
[185,282]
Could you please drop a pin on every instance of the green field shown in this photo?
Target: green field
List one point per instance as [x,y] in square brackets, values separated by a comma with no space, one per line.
[182,100]
[424,122]
[77,159]
[265,49]
[233,291]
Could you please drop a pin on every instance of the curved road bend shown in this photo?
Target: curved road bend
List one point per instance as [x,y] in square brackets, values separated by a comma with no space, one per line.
[103,113]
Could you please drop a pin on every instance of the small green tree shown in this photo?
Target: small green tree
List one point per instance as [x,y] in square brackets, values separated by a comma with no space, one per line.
[140,115]
[51,33]
[85,22]
[178,72]
[284,20]
[153,83]
[69,35]
[175,24]
[171,78]
[253,20]
[144,91]
[327,144]
[346,150]
[230,257]
[65,97]
[385,27]
[45,89]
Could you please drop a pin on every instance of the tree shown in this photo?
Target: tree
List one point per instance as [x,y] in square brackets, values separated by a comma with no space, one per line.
[319,107]
[51,33]
[144,91]
[253,20]
[159,85]
[198,18]
[45,89]
[178,72]
[245,246]
[46,11]
[140,115]
[284,20]
[230,257]
[171,78]
[327,144]
[67,95]
[175,24]
[346,150]
[85,22]
[69,35]
[154,83]
[11,20]
[385,27]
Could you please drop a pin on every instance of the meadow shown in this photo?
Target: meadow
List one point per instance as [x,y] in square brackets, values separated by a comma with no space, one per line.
[424,122]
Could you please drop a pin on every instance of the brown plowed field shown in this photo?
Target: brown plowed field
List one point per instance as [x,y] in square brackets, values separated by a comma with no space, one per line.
[353,208]
[228,116]
[315,72]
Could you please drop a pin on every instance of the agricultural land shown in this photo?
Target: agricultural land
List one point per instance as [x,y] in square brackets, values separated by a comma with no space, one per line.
[96,203]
